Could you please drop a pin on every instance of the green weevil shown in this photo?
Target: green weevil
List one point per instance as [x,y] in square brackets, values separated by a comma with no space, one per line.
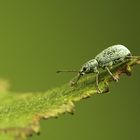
[106,59]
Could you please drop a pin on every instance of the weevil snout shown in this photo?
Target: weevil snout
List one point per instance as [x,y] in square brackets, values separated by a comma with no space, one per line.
[81,72]
[85,69]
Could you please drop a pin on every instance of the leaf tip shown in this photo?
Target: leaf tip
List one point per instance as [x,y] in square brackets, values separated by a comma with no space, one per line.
[4,85]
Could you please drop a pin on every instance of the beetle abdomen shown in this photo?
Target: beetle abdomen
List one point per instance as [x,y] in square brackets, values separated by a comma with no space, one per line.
[112,55]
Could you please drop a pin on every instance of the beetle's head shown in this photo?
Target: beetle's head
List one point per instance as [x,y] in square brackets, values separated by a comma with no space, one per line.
[84,69]
[89,67]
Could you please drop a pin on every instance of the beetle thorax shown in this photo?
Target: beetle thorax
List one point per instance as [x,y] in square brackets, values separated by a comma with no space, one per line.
[89,67]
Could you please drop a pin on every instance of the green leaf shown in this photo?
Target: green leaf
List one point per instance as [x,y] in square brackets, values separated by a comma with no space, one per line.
[20,113]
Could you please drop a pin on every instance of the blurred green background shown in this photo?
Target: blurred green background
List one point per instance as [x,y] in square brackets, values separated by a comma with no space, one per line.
[38,37]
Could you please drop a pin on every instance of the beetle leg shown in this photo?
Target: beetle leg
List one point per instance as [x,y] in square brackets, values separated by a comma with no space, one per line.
[107,86]
[97,82]
[74,81]
[115,79]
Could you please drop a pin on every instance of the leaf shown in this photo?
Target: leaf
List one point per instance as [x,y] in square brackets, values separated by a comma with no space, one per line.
[20,113]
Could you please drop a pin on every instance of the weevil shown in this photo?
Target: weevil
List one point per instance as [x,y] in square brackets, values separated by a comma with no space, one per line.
[105,60]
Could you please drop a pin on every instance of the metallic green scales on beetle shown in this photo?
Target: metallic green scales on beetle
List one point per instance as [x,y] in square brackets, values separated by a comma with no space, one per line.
[105,60]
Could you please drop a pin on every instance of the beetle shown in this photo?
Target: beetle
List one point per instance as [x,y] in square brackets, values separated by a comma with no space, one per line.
[105,60]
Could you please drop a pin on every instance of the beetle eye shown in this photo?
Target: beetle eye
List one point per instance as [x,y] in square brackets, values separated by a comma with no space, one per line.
[84,68]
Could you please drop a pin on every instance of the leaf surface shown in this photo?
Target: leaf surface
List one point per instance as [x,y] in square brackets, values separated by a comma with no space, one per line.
[20,113]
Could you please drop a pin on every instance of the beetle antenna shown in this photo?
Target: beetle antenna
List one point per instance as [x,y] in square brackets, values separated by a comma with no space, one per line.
[66,71]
